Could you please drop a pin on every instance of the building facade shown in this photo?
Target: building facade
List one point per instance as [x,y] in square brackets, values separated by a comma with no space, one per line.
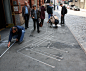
[6,12]
[79,3]
[36,2]
[11,11]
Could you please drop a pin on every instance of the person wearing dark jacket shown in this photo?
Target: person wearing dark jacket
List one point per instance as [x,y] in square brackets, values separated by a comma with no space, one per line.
[62,13]
[16,32]
[42,14]
[35,14]
[26,14]
[50,11]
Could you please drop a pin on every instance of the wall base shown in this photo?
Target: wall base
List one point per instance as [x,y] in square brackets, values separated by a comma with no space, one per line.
[19,19]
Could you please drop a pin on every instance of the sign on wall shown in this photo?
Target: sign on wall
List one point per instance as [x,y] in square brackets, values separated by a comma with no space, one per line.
[15,8]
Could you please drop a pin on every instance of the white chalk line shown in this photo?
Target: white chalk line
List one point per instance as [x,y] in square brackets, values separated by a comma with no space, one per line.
[58,49]
[44,54]
[7,50]
[38,60]
[34,58]
[35,43]
[49,53]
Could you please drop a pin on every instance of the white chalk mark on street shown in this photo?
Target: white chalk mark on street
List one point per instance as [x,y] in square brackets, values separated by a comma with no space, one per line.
[7,50]
[38,60]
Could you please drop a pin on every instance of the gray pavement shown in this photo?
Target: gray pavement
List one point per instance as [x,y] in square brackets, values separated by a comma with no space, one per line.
[50,50]
[75,20]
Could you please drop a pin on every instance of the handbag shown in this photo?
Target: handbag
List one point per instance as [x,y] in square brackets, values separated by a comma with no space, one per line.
[40,24]
[56,21]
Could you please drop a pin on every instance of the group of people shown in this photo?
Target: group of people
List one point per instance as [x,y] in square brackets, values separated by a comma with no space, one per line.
[34,13]
[18,31]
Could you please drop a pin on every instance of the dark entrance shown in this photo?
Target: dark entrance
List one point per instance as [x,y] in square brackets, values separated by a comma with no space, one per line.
[2,16]
[30,3]
[39,3]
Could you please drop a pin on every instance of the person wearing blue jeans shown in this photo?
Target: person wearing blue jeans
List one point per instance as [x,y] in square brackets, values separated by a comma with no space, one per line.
[49,15]
[49,11]
[17,32]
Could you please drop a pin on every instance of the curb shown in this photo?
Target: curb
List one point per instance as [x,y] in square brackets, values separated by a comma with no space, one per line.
[77,40]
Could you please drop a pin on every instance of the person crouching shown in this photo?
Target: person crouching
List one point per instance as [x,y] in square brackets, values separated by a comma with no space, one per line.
[17,32]
[53,20]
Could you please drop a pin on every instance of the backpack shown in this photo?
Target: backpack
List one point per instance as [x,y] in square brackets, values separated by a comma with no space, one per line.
[56,21]
[65,10]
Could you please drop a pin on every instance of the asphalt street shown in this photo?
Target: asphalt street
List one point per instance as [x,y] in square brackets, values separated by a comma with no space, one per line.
[50,50]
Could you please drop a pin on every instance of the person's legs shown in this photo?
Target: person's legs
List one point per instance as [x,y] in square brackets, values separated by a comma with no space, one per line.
[63,19]
[42,20]
[49,16]
[34,25]
[22,36]
[37,25]
[27,20]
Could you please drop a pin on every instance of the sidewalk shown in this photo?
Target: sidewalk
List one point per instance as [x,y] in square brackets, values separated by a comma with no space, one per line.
[50,50]
[77,27]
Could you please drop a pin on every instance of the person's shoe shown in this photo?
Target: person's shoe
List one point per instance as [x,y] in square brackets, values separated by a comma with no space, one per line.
[62,24]
[25,28]
[20,42]
[50,26]
[38,31]
[56,26]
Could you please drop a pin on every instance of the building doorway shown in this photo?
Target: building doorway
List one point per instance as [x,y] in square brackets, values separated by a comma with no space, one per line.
[30,3]
[2,16]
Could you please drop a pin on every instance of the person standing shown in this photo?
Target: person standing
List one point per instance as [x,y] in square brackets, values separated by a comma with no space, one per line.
[62,13]
[35,13]
[57,7]
[42,14]
[26,13]
[16,32]
[50,11]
